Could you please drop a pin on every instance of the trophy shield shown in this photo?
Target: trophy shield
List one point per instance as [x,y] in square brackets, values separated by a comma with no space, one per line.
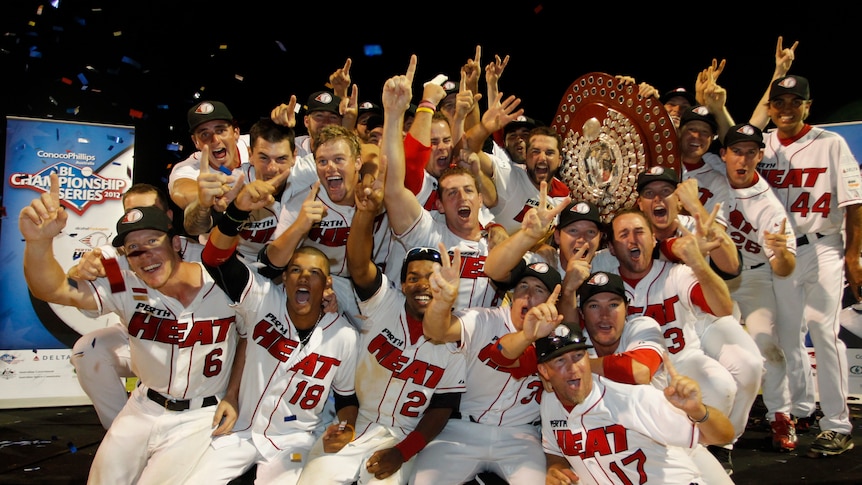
[611,135]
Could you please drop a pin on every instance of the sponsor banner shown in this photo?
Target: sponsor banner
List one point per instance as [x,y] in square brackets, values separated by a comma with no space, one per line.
[95,165]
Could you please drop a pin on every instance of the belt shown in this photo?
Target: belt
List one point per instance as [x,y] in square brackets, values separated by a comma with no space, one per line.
[755,266]
[805,239]
[178,405]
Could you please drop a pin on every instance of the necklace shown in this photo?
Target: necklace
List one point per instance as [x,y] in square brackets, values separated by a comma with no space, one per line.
[310,332]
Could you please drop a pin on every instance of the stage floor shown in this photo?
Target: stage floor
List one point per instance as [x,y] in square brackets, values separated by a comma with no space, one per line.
[55,445]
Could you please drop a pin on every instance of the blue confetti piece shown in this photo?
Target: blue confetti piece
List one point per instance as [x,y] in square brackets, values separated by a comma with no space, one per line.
[128,60]
[226,171]
[162,106]
[110,147]
[82,78]
[372,50]
[173,147]
[81,20]
[290,418]
[115,139]
[72,447]
[36,54]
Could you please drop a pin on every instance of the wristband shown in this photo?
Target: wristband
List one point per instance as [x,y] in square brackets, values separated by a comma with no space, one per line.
[410,445]
[423,109]
[701,420]
[233,220]
[427,104]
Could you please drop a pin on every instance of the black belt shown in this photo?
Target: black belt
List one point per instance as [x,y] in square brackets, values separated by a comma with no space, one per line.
[804,239]
[178,405]
[753,267]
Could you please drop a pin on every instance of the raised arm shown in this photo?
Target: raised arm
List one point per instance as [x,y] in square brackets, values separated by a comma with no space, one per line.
[783,60]
[684,393]
[39,223]
[360,240]
[783,262]
[506,255]
[402,208]
[714,288]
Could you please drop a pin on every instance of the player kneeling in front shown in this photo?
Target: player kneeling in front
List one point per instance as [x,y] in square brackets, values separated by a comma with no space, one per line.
[594,428]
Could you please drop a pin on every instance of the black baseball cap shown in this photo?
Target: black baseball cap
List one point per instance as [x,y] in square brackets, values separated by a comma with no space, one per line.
[521,122]
[141,218]
[743,132]
[567,337]
[698,113]
[323,101]
[601,282]
[369,107]
[207,111]
[420,254]
[549,276]
[657,174]
[580,211]
[796,85]
[680,91]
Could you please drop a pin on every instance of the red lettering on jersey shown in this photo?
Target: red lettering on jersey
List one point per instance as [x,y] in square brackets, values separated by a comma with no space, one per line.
[737,220]
[334,237]
[795,177]
[421,373]
[147,327]
[391,358]
[705,194]
[316,365]
[596,442]
[257,235]
[663,313]
[275,343]
[472,267]
[569,443]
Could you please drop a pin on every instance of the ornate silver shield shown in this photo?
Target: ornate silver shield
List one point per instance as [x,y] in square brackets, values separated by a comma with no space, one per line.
[610,135]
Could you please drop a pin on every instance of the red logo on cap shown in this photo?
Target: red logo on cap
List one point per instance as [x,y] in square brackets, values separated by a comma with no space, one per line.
[599,279]
[324,98]
[788,82]
[205,108]
[134,215]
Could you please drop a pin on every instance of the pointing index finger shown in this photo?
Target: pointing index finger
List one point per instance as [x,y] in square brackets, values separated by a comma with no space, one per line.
[411,68]
[55,188]
[205,159]
[668,366]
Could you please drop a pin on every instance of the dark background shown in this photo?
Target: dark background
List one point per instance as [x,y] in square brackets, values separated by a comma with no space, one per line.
[157,57]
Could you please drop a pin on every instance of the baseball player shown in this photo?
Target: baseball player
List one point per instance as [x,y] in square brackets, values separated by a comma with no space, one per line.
[518,188]
[595,430]
[758,227]
[182,339]
[816,178]
[211,125]
[724,339]
[459,201]
[407,386]
[296,354]
[626,348]
[674,295]
[101,357]
[497,430]
[338,155]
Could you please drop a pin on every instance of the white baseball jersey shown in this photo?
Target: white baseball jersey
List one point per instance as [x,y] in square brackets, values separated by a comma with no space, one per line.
[517,194]
[493,396]
[183,352]
[753,210]
[190,168]
[812,177]
[110,344]
[621,434]
[398,368]
[712,188]
[330,234]
[286,381]
[475,289]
